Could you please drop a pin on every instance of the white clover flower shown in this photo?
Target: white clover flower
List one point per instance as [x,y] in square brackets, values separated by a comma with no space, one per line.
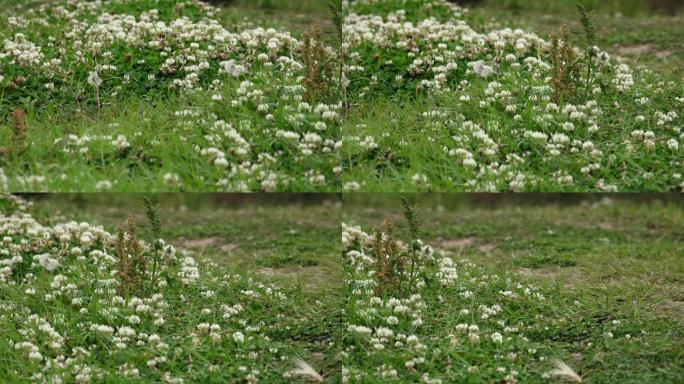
[104,185]
[368,143]
[171,178]
[469,163]
[232,68]
[94,79]
[673,144]
[351,186]
[419,179]
[120,142]
[46,261]
[221,162]
[481,69]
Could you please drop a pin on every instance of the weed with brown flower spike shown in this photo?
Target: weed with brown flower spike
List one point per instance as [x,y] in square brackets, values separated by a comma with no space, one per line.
[565,71]
[318,65]
[19,134]
[152,214]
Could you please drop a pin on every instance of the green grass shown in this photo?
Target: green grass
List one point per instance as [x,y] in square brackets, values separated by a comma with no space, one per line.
[603,265]
[406,125]
[278,134]
[265,254]
[596,282]
[641,37]
[405,131]
[262,234]
[625,7]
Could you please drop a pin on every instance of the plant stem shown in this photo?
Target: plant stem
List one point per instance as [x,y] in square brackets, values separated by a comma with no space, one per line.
[154,270]
[413,266]
[97,91]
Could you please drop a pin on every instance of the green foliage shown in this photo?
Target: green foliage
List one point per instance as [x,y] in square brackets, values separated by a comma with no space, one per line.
[474,106]
[626,7]
[166,96]
[203,320]
[152,214]
[587,264]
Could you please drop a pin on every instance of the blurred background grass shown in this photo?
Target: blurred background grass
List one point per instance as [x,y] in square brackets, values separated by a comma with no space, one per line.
[296,16]
[186,201]
[455,201]
[645,33]
[625,7]
[290,5]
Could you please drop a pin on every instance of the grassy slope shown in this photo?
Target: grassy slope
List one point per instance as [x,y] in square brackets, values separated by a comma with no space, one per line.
[293,245]
[629,31]
[622,260]
[148,122]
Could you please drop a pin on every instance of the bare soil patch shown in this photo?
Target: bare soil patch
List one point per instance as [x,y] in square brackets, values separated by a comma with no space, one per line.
[459,243]
[568,276]
[312,277]
[671,308]
[484,248]
[642,49]
[207,242]
[466,242]
[634,50]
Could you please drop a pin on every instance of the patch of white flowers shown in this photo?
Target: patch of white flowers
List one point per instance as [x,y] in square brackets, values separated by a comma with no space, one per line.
[490,106]
[394,336]
[249,81]
[66,320]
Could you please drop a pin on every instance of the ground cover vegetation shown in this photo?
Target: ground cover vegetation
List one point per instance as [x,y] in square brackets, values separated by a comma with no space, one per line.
[446,98]
[166,300]
[167,95]
[455,289]
[257,96]
[535,293]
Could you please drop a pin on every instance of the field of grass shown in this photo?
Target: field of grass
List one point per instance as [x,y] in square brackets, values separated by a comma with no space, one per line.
[275,235]
[597,284]
[631,8]
[482,99]
[240,289]
[181,95]
[314,104]
[643,33]
[168,96]
[483,288]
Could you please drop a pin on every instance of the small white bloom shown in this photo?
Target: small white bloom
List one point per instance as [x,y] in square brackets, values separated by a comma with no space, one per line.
[94,79]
